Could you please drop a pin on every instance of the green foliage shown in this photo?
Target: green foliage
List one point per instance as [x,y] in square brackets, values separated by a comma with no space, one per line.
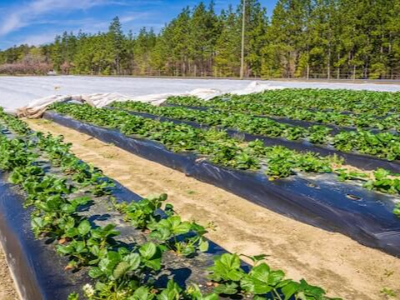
[121,273]
[396,210]
[13,123]
[145,212]
[388,293]
[344,174]
[222,150]
[360,109]
[341,39]
[214,144]
[14,154]
[259,282]
[185,238]
[384,183]
[282,103]
[238,121]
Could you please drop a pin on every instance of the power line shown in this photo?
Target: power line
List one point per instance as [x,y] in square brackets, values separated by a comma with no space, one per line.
[243,35]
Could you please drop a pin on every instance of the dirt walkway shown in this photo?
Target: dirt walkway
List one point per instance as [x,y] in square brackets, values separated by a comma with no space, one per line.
[333,261]
[7,289]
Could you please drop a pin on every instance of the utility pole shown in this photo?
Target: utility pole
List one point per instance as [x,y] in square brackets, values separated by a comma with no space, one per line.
[243,35]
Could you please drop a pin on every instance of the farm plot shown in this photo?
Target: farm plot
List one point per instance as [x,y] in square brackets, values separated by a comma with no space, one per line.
[87,231]
[317,190]
[381,149]
[308,104]
[331,260]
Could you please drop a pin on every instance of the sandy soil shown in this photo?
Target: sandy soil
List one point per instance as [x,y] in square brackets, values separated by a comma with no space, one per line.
[7,289]
[333,261]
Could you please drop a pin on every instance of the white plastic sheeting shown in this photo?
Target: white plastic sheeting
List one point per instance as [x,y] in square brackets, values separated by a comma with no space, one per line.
[36,108]
[257,87]
[19,92]
[16,92]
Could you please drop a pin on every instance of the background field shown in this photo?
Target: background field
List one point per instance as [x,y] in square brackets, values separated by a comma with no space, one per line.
[18,91]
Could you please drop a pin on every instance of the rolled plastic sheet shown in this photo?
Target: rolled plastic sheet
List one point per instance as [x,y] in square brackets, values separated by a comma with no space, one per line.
[319,200]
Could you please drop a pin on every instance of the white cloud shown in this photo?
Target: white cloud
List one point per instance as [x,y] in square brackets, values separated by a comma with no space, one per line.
[88,25]
[32,12]
[39,39]
[134,16]
[127,19]
[10,24]
[66,15]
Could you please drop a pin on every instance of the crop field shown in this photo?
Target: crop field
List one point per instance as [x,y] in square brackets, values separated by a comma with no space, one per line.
[19,91]
[326,162]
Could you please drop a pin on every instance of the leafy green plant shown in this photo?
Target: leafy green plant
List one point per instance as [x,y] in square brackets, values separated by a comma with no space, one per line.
[121,273]
[14,153]
[383,182]
[384,145]
[145,212]
[82,240]
[344,174]
[126,268]
[215,144]
[194,292]
[389,293]
[86,175]
[260,283]
[185,238]
[336,107]
[396,210]
[14,123]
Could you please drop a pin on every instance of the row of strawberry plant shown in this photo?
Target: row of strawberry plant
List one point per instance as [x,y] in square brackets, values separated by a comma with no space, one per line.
[377,103]
[13,123]
[239,121]
[220,149]
[311,198]
[244,104]
[381,145]
[55,215]
[383,181]
[216,145]
[123,273]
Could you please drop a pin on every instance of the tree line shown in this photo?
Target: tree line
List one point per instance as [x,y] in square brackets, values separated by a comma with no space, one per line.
[302,38]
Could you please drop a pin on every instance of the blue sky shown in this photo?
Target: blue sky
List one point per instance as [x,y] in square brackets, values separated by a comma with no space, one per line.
[37,22]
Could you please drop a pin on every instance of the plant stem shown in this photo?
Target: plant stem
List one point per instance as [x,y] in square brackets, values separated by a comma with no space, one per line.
[277,294]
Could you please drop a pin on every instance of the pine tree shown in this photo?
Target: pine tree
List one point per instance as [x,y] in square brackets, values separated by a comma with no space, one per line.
[227,60]
[116,39]
[56,54]
[304,38]
[256,39]
[203,29]
[143,46]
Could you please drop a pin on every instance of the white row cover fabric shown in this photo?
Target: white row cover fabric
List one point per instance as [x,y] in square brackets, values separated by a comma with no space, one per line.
[36,108]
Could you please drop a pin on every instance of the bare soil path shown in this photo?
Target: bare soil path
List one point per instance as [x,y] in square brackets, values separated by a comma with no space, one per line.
[333,261]
[7,288]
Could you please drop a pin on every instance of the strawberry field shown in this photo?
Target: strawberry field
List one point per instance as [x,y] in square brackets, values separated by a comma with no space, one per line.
[328,158]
